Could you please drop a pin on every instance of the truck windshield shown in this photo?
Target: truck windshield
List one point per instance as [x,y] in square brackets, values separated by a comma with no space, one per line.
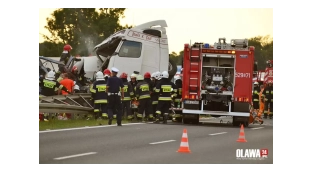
[109,48]
[130,49]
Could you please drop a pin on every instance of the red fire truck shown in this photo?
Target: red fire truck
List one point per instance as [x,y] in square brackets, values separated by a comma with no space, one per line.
[217,81]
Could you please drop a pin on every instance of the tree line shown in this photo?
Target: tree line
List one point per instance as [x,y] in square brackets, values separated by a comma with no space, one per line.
[263,51]
[83,28]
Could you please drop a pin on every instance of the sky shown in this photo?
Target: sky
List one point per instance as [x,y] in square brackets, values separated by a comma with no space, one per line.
[195,25]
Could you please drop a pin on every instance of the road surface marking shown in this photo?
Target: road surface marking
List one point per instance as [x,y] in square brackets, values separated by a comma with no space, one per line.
[160,142]
[218,133]
[76,155]
[102,126]
[257,128]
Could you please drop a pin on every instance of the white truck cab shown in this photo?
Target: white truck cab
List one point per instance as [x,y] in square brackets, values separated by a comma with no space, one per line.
[143,48]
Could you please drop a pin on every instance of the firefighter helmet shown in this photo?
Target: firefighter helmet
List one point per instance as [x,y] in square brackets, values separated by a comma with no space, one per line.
[139,78]
[107,72]
[157,75]
[99,75]
[165,74]
[147,75]
[123,75]
[67,47]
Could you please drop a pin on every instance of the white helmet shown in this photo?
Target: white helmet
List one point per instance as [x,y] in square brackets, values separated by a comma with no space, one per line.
[133,75]
[76,87]
[256,83]
[50,75]
[153,75]
[99,76]
[221,83]
[157,75]
[177,77]
[165,74]
[139,78]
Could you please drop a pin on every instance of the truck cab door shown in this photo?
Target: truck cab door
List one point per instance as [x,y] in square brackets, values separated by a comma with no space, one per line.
[127,57]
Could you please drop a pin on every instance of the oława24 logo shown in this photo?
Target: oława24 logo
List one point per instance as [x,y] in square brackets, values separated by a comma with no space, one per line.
[252,154]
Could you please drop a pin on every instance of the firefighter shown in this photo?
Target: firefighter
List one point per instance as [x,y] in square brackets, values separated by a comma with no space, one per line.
[154,95]
[178,83]
[144,97]
[268,93]
[65,54]
[255,97]
[133,80]
[165,88]
[133,83]
[114,85]
[128,94]
[262,101]
[48,86]
[99,96]
[270,111]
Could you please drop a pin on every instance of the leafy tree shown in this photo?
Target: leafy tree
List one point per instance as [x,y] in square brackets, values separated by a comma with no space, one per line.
[263,49]
[50,49]
[83,28]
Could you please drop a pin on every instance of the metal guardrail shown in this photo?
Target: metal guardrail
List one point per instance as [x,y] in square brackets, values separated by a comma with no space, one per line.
[77,103]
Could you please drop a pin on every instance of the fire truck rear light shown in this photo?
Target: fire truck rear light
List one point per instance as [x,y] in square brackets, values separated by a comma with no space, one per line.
[233,52]
[193,97]
[186,96]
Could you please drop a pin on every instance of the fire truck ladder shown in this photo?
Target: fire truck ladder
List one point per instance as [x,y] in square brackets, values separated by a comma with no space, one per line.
[195,70]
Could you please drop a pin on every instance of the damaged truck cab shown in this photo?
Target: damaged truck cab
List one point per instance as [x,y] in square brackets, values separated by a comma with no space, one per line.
[143,48]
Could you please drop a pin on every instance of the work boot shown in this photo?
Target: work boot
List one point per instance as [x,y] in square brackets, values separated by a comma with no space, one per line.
[110,121]
[265,116]
[165,119]
[271,117]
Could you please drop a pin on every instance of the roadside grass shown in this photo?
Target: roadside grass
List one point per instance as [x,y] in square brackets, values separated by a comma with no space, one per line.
[53,124]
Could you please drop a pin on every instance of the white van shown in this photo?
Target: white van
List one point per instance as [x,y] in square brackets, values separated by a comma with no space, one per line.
[143,48]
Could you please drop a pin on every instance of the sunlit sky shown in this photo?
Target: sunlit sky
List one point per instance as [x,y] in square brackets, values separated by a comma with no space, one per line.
[195,25]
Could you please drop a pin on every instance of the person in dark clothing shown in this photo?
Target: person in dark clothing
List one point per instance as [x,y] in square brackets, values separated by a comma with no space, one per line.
[154,96]
[177,99]
[268,106]
[255,97]
[114,86]
[128,92]
[49,84]
[65,54]
[165,88]
[99,96]
[144,97]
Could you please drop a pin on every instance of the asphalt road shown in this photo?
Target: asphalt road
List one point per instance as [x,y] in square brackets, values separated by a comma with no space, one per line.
[147,143]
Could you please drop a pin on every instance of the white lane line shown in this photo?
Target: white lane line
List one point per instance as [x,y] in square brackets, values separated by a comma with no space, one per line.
[76,155]
[71,129]
[160,142]
[218,133]
[257,128]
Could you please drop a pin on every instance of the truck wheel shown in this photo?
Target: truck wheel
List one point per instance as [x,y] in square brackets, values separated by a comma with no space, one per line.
[172,69]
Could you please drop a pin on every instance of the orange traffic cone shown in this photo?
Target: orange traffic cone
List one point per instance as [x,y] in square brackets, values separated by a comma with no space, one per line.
[184,146]
[241,137]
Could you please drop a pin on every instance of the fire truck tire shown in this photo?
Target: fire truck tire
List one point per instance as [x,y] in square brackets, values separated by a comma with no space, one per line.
[172,68]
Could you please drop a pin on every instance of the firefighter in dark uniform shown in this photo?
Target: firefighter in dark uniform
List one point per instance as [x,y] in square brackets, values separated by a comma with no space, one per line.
[154,95]
[99,96]
[177,100]
[48,87]
[128,94]
[268,93]
[255,97]
[144,97]
[65,54]
[165,88]
[114,85]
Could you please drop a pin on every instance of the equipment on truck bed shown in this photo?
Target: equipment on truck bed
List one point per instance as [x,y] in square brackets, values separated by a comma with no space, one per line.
[217,80]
